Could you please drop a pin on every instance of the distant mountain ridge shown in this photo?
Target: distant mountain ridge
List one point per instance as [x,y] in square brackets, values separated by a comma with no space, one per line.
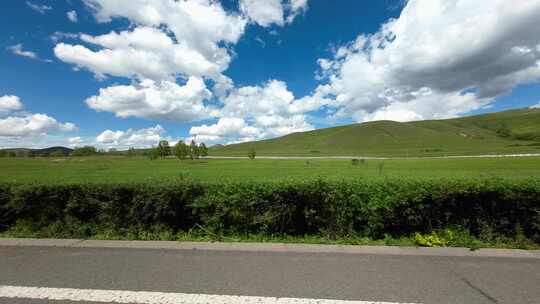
[39,152]
[508,132]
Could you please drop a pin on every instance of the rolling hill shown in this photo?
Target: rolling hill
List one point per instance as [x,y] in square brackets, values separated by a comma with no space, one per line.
[515,131]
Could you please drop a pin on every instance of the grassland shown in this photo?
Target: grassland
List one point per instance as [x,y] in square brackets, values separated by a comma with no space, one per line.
[139,169]
[516,131]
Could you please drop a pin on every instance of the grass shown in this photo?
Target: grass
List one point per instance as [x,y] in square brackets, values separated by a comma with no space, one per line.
[461,136]
[445,238]
[138,169]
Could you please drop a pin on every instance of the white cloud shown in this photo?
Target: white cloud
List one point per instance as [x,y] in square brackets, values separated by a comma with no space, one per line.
[155,100]
[440,58]
[75,140]
[296,7]
[255,112]
[57,36]
[145,52]
[31,125]
[227,128]
[132,138]
[191,39]
[264,13]
[18,128]
[42,9]
[269,12]
[9,103]
[536,106]
[72,16]
[17,49]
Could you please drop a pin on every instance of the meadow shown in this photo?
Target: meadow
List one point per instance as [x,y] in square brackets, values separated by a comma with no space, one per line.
[119,169]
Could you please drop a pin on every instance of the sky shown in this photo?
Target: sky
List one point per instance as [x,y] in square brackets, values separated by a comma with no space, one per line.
[112,75]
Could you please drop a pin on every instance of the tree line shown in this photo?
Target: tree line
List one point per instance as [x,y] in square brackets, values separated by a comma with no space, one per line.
[181,150]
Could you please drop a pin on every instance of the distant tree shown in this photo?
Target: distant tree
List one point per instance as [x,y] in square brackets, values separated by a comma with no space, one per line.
[252,154]
[131,152]
[163,148]
[194,150]
[84,151]
[57,153]
[203,149]
[181,150]
[3,153]
[12,154]
[154,153]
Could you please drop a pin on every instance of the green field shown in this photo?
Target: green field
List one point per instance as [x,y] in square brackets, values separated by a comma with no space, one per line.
[139,169]
[516,131]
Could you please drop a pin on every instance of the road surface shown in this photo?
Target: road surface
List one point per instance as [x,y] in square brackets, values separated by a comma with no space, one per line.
[116,274]
[377,158]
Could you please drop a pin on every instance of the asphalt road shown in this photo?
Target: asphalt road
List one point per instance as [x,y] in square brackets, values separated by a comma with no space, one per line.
[361,277]
[372,157]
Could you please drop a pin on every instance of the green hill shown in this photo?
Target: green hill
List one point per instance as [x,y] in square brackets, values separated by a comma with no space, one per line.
[515,131]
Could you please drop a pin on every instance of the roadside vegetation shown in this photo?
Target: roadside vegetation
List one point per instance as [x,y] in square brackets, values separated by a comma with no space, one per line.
[469,212]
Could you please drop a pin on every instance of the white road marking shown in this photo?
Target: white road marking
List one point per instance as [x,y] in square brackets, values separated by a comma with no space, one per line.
[145,297]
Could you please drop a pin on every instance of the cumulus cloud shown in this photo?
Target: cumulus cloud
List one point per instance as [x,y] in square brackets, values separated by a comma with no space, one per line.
[42,9]
[26,124]
[536,106]
[227,128]
[263,13]
[132,138]
[439,59]
[72,16]
[31,125]
[171,39]
[255,112]
[144,52]
[268,12]
[9,103]
[162,100]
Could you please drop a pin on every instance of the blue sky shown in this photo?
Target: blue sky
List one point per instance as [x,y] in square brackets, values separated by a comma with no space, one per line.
[76,72]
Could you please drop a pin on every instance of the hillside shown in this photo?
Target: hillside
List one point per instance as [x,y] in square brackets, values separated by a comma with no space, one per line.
[515,131]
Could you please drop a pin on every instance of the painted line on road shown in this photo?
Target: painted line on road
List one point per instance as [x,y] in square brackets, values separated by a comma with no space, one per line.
[146,297]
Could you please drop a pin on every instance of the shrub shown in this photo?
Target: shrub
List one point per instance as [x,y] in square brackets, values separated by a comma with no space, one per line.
[252,154]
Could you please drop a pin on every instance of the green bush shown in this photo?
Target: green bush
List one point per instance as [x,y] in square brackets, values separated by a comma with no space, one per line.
[488,209]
